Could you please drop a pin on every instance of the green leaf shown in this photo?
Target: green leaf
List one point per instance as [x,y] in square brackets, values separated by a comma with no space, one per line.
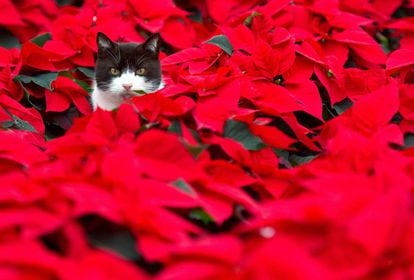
[18,123]
[83,85]
[29,100]
[65,121]
[148,125]
[409,140]
[289,160]
[195,151]
[67,74]
[88,72]
[175,127]
[38,104]
[283,157]
[8,40]
[249,20]
[182,185]
[22,124]
[343,105]
[299,160]
[201,215]
[139,92]
[64,2]
[7,124]
[222,42]
[43,80]
[196,16]
[384,41]
[240,132]
[122,242]
[41,39]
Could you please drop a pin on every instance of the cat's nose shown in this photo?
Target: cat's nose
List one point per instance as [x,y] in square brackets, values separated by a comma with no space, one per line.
[127,86]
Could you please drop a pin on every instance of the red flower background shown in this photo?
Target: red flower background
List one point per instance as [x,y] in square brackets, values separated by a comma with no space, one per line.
[280,148]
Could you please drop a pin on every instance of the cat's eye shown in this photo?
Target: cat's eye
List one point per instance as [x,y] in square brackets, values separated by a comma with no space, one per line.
[141,71]
[115,71]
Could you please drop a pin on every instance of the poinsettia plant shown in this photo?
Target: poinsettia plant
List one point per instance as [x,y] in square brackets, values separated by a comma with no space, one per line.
[281,146]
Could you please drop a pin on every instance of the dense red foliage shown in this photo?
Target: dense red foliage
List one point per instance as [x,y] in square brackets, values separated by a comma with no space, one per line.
[280,148]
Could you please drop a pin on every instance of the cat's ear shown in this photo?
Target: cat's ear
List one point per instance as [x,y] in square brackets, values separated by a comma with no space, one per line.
[152,43]
[103,41]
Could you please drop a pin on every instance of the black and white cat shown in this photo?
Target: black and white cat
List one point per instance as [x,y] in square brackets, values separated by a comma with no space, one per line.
[123,69]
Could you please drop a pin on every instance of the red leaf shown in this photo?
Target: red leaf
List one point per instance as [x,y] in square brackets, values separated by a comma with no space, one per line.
[376,109]
[33,222]
[272,136]
[189,55]
[56,102]
[15,148]
[11,16]
[105,266]
[274,60]
[399,59]
[212,111]
[39,264]
[307,94]
[361,82]
[178,32]
[273,99]
[101,127]
[279,258]
[154,105]
[127,119]
[167,154]
[224,172]
[37,57]
[362,44]
[90,199]
[310,51]
[67,87]
[213,257]
[264,161]
[31,115]
[375,225]
[241,37]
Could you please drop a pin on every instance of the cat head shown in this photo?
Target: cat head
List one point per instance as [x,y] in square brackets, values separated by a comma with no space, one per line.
[124,68]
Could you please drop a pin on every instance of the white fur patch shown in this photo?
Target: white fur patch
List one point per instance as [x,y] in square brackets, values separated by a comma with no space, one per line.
[115,95]
[105,100]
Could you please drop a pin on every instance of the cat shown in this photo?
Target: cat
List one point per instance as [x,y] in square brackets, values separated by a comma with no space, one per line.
[124,70]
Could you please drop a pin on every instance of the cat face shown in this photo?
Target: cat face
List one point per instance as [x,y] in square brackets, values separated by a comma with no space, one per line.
[123,68]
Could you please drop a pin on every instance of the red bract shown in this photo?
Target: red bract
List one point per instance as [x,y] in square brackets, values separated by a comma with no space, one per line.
[41,264]
[263,262]
[26,19]
[24,118]
[36,57]
[406,105]
[275,57]
[66,91]
[381,9]
[365,48]
[222,11]
[8,57]
[167,151]
[279,148]
[18,151]
[213,257]
[9,87]
[375,110]
[217,106]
